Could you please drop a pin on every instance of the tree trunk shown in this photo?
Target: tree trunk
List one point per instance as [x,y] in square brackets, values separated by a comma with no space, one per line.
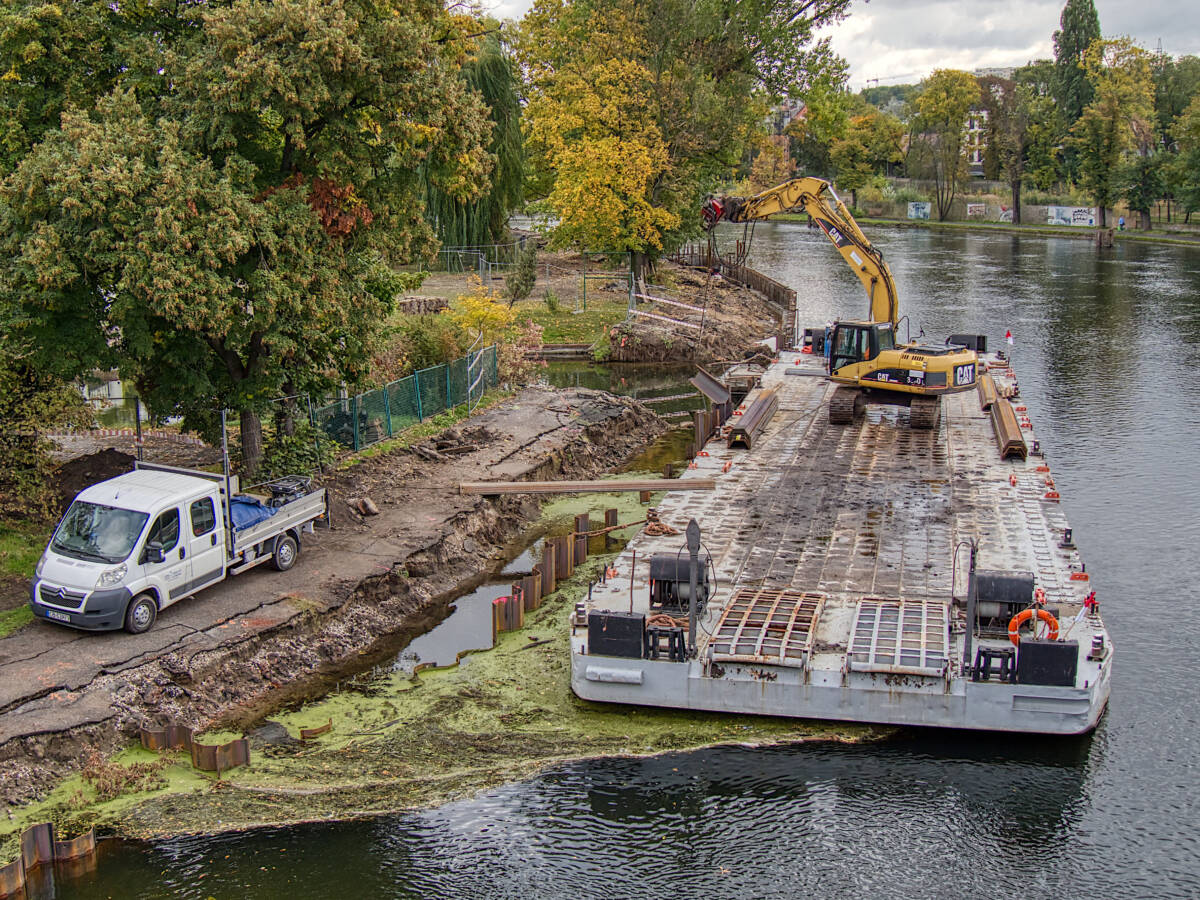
[251,441]
[1016,202]
[285,413]
[854,197]
[1144,215]
[1102,220]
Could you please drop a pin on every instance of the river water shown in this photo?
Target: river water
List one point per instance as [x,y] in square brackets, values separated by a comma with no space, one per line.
[1107,347]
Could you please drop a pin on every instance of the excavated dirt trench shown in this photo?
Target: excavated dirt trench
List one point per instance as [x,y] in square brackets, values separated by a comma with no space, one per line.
[259,643]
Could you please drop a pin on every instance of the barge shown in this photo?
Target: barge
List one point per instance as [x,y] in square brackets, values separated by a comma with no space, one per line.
[868,572]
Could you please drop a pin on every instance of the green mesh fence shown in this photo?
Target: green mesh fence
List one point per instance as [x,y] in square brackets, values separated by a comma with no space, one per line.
[458,381]
[367,418]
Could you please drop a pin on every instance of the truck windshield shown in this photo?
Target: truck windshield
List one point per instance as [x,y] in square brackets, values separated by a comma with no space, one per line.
[98,533]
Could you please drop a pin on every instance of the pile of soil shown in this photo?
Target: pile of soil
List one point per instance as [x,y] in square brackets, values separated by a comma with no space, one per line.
[83,471]
[70,478]
[733,322]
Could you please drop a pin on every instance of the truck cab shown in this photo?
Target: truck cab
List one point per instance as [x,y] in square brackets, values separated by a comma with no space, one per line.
[130,546]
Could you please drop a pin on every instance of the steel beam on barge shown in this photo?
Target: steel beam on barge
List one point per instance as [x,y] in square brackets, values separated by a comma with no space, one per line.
[586,487]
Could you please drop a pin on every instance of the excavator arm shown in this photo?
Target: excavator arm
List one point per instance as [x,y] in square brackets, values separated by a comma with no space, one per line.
[809,195]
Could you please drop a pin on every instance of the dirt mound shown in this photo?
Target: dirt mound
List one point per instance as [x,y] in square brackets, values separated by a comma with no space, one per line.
[76,474]
[697,317]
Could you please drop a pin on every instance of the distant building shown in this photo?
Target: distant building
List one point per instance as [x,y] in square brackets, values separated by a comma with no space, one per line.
[784,114]
[995,72]
[976,140]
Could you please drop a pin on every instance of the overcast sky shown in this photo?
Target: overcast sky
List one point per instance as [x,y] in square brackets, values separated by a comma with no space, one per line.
[900,41]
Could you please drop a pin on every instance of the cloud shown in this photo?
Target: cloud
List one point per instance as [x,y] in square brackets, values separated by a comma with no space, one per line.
[904,40]
[899,41]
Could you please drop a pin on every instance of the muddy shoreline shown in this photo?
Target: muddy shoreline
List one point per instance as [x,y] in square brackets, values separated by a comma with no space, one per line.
[256,646]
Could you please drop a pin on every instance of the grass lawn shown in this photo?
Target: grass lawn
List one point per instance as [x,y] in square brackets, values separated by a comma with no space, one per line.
[20,547]
[566,326]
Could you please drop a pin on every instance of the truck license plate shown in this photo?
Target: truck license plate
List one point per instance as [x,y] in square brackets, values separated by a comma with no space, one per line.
[57,616]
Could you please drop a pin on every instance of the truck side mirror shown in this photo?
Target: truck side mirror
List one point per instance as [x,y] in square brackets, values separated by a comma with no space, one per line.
[153,552]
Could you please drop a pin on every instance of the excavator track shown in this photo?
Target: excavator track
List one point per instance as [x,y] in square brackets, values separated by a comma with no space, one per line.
[925,412]
[845,406]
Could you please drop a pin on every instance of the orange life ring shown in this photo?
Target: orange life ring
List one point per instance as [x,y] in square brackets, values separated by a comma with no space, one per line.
[1014,625]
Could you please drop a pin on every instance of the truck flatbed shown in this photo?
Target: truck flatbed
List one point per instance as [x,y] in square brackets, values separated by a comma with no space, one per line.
[841,555]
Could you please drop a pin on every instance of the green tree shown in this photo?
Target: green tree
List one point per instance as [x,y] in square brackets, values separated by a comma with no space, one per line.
[1185,169]
[941,125]
[1176,83]
[637,109]
[521,280]
[484,219]
[1046,135]
[53,54]
[1079,26]
[1118,121]
[34,401]
[823,123]
[225,228]
[1142,180]
[871,144]
[1009,106]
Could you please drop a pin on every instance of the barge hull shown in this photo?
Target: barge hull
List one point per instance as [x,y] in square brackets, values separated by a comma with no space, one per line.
[841,564]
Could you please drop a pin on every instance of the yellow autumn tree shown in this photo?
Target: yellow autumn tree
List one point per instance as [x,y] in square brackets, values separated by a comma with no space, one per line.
[636,109]
[596,129]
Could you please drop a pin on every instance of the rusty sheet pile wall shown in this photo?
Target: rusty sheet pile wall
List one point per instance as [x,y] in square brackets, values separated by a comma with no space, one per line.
[41,854]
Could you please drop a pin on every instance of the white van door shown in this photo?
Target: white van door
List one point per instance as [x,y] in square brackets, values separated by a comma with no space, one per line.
[206,544]
[171,573]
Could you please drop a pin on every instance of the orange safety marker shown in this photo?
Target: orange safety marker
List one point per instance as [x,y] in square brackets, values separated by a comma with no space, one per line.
[1049,482]
[1052,496]
[1043,468]
[1079,576]
[1022,409]
[1012,479]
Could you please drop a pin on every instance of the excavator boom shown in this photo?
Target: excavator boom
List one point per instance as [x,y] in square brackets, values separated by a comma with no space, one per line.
[809,195]
[862,358]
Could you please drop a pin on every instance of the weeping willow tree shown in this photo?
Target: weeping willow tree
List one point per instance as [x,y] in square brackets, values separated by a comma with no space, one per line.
[482,221]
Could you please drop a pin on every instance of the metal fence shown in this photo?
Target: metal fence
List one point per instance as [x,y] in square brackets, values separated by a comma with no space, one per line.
[368,418]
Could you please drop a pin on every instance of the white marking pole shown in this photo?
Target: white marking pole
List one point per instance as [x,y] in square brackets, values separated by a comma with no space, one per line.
[698,309]
[649,315]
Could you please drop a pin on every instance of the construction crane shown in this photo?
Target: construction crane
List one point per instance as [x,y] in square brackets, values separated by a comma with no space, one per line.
[864,358]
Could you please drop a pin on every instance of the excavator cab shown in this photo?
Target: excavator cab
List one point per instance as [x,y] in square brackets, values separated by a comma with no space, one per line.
[856,342]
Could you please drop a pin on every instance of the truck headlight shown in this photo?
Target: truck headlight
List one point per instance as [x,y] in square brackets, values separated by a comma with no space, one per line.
[41,564]
[111,577]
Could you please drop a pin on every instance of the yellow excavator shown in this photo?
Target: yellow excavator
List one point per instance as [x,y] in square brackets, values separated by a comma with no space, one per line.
[864,358]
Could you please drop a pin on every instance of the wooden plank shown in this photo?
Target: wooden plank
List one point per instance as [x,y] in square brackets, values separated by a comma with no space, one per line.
[586,487]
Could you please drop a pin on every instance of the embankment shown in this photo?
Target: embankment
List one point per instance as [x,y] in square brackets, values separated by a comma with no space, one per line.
[263,640]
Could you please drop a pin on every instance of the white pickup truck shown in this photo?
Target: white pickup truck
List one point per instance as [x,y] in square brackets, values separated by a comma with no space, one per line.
[132,545]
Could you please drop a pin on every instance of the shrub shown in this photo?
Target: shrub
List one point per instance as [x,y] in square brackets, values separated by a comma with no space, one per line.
[519,282]
[110,780]
[32,403]
[552,302]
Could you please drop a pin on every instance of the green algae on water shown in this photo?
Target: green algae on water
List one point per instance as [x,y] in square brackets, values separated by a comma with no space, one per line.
[419,740]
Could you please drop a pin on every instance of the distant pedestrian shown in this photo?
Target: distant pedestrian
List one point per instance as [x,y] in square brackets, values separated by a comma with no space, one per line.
[1121,224]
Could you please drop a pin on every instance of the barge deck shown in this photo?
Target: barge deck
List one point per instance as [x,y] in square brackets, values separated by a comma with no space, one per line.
[844,564]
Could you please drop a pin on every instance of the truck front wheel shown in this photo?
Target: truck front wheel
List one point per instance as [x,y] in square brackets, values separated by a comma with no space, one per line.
[140,614]
[286,551]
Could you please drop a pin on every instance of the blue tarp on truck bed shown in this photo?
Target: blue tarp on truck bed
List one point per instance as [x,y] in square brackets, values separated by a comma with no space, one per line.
[246,511]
